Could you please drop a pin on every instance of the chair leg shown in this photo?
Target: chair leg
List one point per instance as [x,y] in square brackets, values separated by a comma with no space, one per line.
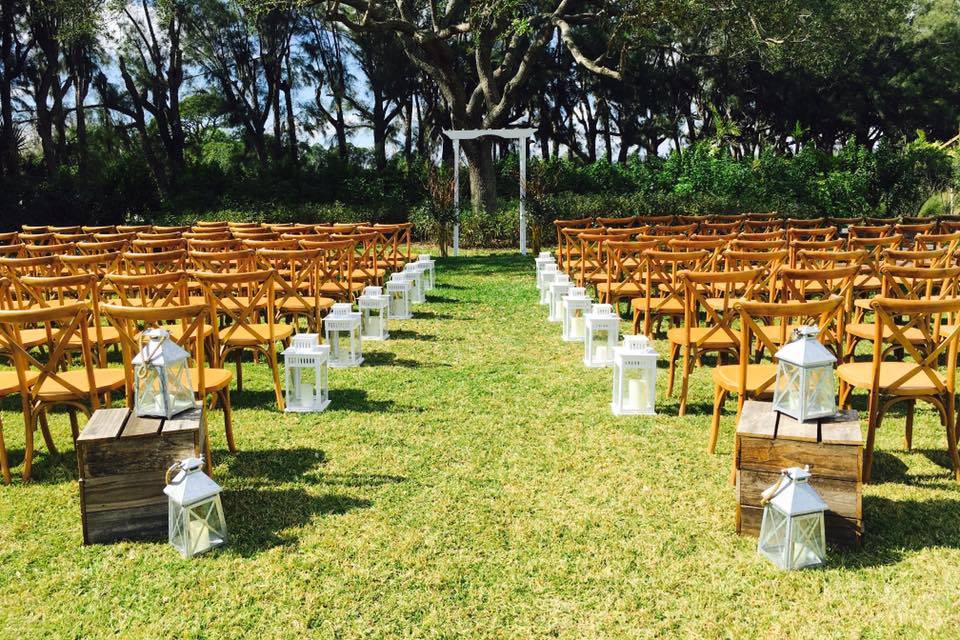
[74,425]
[674,352]
[844,395]
[29,422]
[952,438]
[228,419]
[685,380]
[719,397]
[908,429]
[45,430]
[636,321]
[275,367]
[239,359]
[873,414]
[4,463]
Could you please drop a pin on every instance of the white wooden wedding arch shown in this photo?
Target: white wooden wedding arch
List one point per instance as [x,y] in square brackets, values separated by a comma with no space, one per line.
[520,135]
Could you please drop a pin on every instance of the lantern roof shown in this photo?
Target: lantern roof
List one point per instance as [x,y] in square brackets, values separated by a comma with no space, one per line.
[602,311]
[191,485]
[424,257]
[372,291]
[795,496]
[545,254]
[550,266]
[806,350]
[341,309]
[561,279]
[637,346]
[160,350]
[577,293]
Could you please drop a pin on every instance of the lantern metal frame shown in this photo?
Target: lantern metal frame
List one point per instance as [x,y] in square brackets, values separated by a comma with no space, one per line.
[306,353]
[414,273]
[576,305]
[792,531]
[547,277]
[558,289]
[195,520]
[429,271]
[398,291]
[603,319]
[540,262]
[343,324]
[162,383]
[374,308]
[634,378]
[805,386]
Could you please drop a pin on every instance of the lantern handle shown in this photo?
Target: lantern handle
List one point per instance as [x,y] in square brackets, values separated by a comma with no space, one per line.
[772,492]
[175,467]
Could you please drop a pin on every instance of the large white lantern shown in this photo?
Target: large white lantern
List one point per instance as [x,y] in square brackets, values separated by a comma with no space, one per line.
[195,515]
[541,261]
[414,272]
[805,386]
[398,290]
[429,271]
[162,385]
[305,368]
[576,305]
[634,378]
[374,313]
[601,336]
[342,327]
[547,276]
[558,289]
[792,534]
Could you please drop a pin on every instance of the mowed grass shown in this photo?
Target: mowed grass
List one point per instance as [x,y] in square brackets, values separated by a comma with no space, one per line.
[470,481]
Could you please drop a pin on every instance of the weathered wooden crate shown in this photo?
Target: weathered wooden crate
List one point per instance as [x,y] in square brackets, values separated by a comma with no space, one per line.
[122,461]
[768,442]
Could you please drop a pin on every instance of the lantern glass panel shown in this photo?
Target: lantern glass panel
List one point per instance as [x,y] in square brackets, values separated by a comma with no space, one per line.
[773,536]
[575,322]
[372,322]
[600,345]
[820,383]
[789,390]
[399,303]
[635,390]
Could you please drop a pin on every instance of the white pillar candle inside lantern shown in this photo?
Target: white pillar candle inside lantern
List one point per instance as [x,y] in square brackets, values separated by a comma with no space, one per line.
[429,271]
[547,276]
[634,378]
[342,326]
[195,515]
[374,313]
[398,290]
[541,261]
[414,272]
[601,335]
[792,534]
[162,385]
[806,382]
[305,370]
[576,305]
[558,289]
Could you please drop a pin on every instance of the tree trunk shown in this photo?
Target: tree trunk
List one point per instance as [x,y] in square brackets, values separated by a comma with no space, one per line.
[9,153]
[291,120]
[483,175]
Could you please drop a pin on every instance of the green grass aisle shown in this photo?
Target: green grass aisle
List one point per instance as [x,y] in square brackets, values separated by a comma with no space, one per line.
[469,481]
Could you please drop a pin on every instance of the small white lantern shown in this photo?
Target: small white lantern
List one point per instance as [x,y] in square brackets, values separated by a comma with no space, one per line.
[550,266]
[195,515]
[414,272]
[162,385]
[547,276]
[792,534]
[634,378]
[541,261]
[342,326]
[576,305]
[601,336]
[429,271]
[305,369]
[398,290]
[558,289]
[374,313]
[805,386]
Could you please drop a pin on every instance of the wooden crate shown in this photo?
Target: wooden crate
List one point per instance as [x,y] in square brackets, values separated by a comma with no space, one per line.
[768,442]
[122,461]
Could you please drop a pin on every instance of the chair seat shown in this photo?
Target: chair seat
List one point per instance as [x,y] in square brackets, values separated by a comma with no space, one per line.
[295,305]
[620,289]
[772,332]
[10,383]
[369,274]
[109,336]
[245,336]
[659,305]
[868,283]
[339,288]
[103,380]
[728,376]
[213,379]
[866,331]
[31,338]
[718,340]
[860,375]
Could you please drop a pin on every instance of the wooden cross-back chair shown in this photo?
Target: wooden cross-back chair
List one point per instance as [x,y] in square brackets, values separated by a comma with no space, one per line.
[213,245]
[103,228]
[397,238]
[366,270]
[46,378]
[768,262]
[755,380]
[796,246]
[810,233]
[36,250]
[800,224]
[911,230]
[720,228]
[627,221]
[778,235]
[591,267]
[235,301]
[134,228]
[675,229]
[16,267]
[717,332]
[297,291]
[154,263]
[335,268]
[158,245]
[856,231]
[948,226]
[10,237]
[41,237]
[763,226]
[71,238]
[869,281]
[188,327]
[726,239]
[903,283]
[626,234]
[804,284]
[741,244]
[663,290]
[714,245]
[99,247]
[918,376]
[166,289]
[114,237]
[568,249]
[933,241]
[912,258]
[12,250]
[228,261]
[624,271]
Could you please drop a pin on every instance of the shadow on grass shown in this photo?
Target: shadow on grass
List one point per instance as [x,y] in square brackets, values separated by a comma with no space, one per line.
[389,359]
[253,398]
[433,315]
[301,464]
[259,518]
[48,469]
[358,400]
[407,334]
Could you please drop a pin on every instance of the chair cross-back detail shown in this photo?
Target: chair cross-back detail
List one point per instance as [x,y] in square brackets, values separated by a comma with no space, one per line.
[663,290]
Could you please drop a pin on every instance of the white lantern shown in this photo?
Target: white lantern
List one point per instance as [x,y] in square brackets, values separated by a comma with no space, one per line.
[634,378]
[792,534]
[305,369]
[429,271]
[558,289]
[414,272]
[547,276]
[162,385]
[541,261]
[195,515]
[576,305]
[374,313]
[805,386]
[342,327]
[398,290]
[601,336]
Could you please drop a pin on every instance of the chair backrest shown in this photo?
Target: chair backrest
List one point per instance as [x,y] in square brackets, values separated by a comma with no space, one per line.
[276,243]
[628,221]
[98,264]
[104,228]
[910,258]
[719,228]
[365,261]
[728,217]
[768,261]
[739,244]
[134,228]
[692,219]
[164,289]
[211,224]
[675,229]
[42,237]
[592,257]
[71,238]
[34,228]
[255,234]
[662,275]
[9,238]
[178,229]
[208,236]
[652,221]
[763,226]
[114,237]
[231,261]
[335,265]
[797,224]
[154,263]
[731,286]
[158,245]
[50,249]
[948,241]
[624,266]
[799,285]
[919,283]
[810,233]
[869,231]
[579,223]
[796,246]
[297,274]
[816,260]
[914,229]
[714,246]
[213,244]
[239,298]
[98,247]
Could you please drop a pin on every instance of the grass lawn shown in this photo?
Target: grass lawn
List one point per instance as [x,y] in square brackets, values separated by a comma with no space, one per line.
[470,481]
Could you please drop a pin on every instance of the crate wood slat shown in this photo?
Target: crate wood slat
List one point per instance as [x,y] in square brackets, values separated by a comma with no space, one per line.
[122,460]
[768,442]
